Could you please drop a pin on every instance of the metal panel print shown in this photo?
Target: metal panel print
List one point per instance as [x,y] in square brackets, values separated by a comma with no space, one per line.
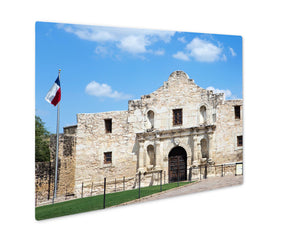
[142,115]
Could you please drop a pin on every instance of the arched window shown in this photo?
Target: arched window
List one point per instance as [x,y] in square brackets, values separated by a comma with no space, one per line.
[202,114]
[150,151]
[150,116]
[204,148]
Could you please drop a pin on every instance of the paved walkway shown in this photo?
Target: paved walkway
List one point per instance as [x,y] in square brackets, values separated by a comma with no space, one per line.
[203,185]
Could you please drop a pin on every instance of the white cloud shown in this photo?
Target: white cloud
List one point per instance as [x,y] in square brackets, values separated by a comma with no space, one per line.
[134,41]
[232,51]
[159,52]
[104,90]
[224,57]
[181,39]
[101,50]
[202,51]
[134,44]
[89,33]
[226,92]
[181,56]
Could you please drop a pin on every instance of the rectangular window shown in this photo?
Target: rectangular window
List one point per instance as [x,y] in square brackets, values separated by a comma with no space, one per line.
[240,140]
[237,112]
[177,117]
[108,123]
[107,157]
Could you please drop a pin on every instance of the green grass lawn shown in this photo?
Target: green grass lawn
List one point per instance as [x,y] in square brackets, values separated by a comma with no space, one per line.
[96,202]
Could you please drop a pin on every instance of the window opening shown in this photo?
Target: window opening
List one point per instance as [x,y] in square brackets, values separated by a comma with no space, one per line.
[107,157]
[177,117]
[108,125]
[239,140]
[237,112]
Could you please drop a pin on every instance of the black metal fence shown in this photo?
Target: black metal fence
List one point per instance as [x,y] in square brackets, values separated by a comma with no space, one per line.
[155,179]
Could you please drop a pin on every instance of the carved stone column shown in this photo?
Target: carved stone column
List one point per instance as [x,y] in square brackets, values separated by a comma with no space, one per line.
[142,162]
[210,146]
[157,155]
[195,150]
[199,151]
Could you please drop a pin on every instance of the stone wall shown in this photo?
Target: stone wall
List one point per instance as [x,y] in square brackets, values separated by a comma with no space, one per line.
[227,130]
[44,179]
[179,92]
[93,142]
[66,160]
[45,172]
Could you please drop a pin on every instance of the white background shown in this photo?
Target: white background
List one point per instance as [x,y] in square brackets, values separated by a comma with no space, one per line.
[265,210]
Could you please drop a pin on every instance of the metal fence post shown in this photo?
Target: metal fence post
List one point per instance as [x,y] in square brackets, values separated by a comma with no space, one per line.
[177,175]
[139,185]
[123,183]
[161,180]
[82,190]
[104,187]
[200,171]
[153,182]
[49,182]
[222,170]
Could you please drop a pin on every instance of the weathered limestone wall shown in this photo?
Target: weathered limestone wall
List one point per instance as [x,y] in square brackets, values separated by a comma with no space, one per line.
[227,130]
[44,175]
[179,92]
[66,160]
[93,142]
[45,172]
[96,187]
[163,146]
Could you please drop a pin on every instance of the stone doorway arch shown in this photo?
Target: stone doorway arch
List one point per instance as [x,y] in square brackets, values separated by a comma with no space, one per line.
[177,164]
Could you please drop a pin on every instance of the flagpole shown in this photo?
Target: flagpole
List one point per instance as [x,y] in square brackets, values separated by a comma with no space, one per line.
[57,140]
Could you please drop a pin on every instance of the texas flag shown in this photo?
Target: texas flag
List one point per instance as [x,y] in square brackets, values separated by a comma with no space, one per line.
[54,94]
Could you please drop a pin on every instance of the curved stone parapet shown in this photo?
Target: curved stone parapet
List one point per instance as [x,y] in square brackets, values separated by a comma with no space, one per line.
[178,75]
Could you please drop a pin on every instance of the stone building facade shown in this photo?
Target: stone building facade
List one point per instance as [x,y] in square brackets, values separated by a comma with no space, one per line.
[177,127]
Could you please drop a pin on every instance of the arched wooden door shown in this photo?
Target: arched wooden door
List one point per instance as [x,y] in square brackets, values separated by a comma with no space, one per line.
[177,164]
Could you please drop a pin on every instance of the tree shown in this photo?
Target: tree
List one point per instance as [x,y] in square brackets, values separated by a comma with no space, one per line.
[42,141]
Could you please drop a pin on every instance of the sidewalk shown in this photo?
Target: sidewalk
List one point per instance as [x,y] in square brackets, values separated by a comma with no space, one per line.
[203,185]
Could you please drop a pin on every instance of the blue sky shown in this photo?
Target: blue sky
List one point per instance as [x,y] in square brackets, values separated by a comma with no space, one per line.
[103,67]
